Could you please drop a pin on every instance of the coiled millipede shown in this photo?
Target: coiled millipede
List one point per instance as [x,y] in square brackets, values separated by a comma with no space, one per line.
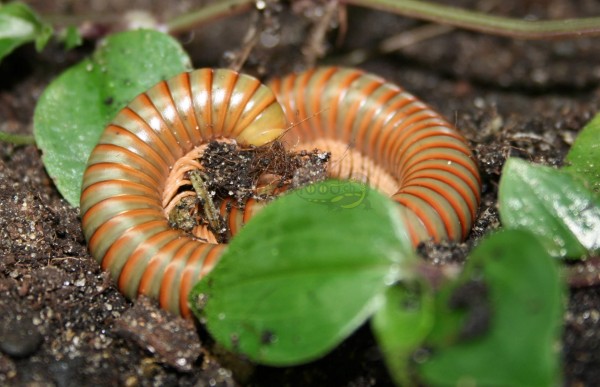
[372,128]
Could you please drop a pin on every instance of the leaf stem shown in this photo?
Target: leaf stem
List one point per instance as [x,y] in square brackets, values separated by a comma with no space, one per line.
[418,9]
[17,139]
[482,22]
[206,14]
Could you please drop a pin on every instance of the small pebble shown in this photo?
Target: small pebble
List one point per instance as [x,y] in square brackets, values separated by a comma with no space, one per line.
[19,338]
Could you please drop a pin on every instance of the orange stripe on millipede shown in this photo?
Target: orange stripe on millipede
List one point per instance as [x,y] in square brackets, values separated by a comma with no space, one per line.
[125,186]
[454,185]
[354,111]
[191,273]
[119,152]
[464,220]
[438,147]
[451,158]
[140,146]
[157,123]
[124,201]
[422,168]
[443,214]
[182,99]
[141,129]
[419,133]
[126,238]
[380,125]
[368,116]
[172,276]
[124,170]
[157,264]
[182,136]
[427,222]
[117,219]
[333,116]
[237,113]
[317,108]
[301,87]
[150,249]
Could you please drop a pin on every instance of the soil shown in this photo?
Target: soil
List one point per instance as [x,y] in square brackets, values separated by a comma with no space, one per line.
[63,323]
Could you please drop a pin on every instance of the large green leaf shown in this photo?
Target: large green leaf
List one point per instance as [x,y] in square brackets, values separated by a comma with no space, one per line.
[512,300]
[304,273]
[584,156]
[553,204]
[73,111]
[20,25]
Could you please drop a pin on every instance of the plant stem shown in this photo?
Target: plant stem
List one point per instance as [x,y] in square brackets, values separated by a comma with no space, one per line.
[424,10]
[211,212]
[583,273]
[17,139]
[207,13]
[482,22]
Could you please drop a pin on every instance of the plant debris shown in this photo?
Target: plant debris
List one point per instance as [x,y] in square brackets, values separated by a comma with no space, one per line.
[235,174]
[173,340]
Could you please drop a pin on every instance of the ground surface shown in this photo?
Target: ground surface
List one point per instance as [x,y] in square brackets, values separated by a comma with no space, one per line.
[63,323]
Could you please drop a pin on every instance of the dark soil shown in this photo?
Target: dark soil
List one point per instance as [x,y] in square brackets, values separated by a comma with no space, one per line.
[63,323]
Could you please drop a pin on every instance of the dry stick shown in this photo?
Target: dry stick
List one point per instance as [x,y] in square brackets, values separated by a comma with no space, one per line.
[210,210]
[583,274]
[17,139]
[314,47]
[393,43]
[206,14]
[413,36]
[248,44]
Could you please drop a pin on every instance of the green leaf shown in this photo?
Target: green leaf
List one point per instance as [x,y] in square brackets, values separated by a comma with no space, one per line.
[522,302]
[71,38]
[401,326]
[73,111]
[584,156]
[305,273]
[20,25]
[553,204]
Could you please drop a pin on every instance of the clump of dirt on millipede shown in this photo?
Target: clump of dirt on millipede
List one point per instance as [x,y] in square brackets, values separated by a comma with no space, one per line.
[231,175]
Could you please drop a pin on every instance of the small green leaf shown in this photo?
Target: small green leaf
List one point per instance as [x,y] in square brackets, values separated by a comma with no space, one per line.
[304,273]
[553,204]
[401,326]
[20,25]
[73,111]
[584,156]
[512,324]
[71,38]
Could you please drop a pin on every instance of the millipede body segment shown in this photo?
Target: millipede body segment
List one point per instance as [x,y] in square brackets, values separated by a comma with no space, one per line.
[374,130]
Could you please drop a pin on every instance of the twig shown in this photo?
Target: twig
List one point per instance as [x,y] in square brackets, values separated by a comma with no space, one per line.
[482,22]
[206,14]
[17,139]
[315,46]
[583,274]
[393,43]
[418,9]
[210,210]
[248,44]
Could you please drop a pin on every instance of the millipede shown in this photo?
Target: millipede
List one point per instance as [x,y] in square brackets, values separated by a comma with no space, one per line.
[373,129]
